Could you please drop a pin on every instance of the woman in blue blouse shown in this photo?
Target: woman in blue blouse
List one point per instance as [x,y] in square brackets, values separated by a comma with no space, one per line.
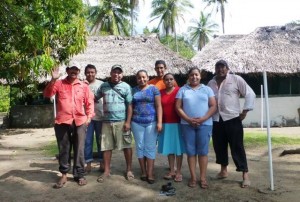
[195,104]
[146,123]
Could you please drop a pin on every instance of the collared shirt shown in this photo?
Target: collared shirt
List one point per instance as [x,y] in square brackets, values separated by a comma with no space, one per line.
[75,102]
[159,83]
[228,95]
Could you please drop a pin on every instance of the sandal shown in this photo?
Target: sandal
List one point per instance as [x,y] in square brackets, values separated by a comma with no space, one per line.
[192,184]
[203,184]
[169,176]
[102,178]
[220,176]
[60,184]
[129,176]
[178,178]
[143,177]
[245,183]
[150,181]
[88,168]
[82,181]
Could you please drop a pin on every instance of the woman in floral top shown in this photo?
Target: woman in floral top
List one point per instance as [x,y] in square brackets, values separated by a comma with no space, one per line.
[146,123]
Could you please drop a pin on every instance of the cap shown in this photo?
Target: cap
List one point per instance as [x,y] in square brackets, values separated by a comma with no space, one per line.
[117,67]
[221,62]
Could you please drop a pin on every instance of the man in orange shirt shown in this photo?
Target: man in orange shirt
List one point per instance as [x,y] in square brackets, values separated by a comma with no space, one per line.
[75,108]
[160,68]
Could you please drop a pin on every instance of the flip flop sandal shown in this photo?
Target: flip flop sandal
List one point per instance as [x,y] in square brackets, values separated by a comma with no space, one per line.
[150,181]
[220,177]
[169,176]
[203,184]
[102,178]
[143,178]
[82,181]
[59,185]
[192,184]
[178,178]
[129,176]
[245,183]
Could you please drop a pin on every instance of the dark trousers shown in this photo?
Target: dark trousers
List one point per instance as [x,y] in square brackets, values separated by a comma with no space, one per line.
[69,136]
[230,132]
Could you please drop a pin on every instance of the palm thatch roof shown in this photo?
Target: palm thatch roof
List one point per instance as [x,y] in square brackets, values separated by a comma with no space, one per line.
[133,53]
[273,49]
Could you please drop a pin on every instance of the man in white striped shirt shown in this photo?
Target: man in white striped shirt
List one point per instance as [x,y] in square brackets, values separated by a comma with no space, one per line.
[227,125]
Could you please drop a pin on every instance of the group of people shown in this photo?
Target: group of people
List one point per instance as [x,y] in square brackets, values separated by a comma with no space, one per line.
[161,116]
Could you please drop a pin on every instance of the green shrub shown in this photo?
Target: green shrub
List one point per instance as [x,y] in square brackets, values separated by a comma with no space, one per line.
[4,98]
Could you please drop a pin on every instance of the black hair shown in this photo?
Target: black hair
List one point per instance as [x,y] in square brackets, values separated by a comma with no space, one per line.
[167,75]
[160,62]
[90,66]
[194,68]
[142,70]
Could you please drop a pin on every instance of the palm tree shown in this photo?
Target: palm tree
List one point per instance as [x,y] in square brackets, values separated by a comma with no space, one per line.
[202,30]
[133,6]
[110,17]
[169,12]
[220,4]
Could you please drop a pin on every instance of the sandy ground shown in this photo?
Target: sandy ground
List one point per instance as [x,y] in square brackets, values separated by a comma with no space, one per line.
[26,174]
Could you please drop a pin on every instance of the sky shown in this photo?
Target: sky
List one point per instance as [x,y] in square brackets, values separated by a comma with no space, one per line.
[242,16]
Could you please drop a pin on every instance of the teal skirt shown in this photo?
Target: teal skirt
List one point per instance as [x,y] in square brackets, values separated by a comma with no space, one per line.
[170,140]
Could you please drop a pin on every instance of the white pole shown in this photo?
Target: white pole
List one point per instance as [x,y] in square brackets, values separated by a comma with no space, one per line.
[268,130]
[262,107]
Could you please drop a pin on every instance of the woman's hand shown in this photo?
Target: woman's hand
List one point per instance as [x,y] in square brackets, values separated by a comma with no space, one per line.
[159,127]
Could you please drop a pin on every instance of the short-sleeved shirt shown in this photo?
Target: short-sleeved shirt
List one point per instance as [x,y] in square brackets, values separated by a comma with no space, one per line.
[143,104]
[115,103]
[159,83]
[195,102]
[97,102]
[168,106]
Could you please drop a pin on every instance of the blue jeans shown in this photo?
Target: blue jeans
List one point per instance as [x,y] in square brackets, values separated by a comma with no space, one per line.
[93,128]
[145,136]
[196,139]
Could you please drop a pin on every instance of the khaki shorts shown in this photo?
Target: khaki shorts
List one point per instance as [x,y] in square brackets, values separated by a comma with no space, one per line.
[113,136]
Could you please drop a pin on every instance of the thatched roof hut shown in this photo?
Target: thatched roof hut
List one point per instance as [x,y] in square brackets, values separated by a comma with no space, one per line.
[133,53]
[273,49]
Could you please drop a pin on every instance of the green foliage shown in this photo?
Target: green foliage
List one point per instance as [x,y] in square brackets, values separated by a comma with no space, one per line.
[184,47]
[36,35]
[110,17]
[4,98]
[202,30]
[169,12]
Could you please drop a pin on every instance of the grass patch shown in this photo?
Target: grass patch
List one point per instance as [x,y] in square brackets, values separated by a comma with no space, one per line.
[251,139]
[50,149]
[254,139]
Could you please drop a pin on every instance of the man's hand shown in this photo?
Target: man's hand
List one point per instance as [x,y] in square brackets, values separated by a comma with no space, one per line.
[55,73]
[88,121]
[243,114]
[126,127]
